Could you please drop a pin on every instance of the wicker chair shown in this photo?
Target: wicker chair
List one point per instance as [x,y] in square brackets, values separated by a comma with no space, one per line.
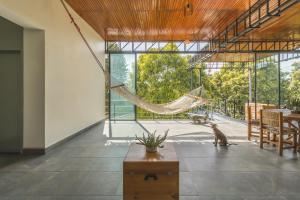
[253,117]
[273,131]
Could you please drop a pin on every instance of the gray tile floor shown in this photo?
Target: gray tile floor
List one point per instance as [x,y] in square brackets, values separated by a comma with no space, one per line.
[90,168]
[183,129]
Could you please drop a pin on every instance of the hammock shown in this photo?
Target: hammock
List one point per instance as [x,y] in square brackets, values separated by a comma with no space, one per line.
[182,104]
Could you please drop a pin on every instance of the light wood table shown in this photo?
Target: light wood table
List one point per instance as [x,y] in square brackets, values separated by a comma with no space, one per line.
[290,118]
[151,176]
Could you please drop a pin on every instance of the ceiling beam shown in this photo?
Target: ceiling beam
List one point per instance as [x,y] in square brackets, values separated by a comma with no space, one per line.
[200,47]
[257,15]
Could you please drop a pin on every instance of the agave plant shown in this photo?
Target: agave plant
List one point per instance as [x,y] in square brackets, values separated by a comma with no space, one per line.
[152,142]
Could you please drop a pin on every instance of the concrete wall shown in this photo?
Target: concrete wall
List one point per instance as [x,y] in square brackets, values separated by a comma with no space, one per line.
[74,85]
[34,89]
[11,86]
[10,36]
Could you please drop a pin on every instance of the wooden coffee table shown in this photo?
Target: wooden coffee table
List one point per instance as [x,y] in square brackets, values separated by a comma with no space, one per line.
[151,176]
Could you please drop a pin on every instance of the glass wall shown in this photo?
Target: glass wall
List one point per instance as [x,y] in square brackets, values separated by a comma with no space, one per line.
[267,77]
[227,87]
[122,70]
[162,78]
[290,81]
[277,77]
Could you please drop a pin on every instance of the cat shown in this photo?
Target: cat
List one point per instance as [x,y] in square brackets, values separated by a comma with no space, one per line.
[219,136]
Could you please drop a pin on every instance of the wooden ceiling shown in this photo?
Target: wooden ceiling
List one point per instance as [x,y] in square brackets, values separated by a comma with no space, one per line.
[149,20]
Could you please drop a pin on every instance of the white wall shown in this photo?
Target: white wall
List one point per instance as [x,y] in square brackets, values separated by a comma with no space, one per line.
[34,89]
[74,85]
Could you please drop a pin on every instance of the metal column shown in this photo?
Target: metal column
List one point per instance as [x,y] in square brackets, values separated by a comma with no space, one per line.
[135,83]
[255,84]
[279,81]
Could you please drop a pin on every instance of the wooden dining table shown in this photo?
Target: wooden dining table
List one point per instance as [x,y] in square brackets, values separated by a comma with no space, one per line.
[292,119]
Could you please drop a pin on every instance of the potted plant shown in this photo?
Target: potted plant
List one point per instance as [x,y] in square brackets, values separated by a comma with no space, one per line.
[152,142]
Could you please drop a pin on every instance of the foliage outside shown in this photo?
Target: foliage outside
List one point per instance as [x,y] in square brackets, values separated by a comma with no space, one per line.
[163,78]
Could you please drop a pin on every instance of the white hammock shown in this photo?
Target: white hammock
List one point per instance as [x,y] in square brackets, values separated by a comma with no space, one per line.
[180,105]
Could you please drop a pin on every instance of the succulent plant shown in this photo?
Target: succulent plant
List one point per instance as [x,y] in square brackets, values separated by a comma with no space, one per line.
[152,142]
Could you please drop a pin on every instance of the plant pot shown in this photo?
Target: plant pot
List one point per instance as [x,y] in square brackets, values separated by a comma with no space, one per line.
[151,149]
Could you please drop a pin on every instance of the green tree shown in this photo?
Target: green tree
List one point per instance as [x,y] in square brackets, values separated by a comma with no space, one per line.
[294,86]
[267,83]
[119,68]
[120,73]
[164,77]
[285,79]
[229,84]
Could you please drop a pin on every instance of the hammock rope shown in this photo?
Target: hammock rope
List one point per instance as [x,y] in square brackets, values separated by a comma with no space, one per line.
[182,104]
[82,36]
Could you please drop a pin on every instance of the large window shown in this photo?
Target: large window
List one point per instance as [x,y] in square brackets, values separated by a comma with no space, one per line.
[290,81]
[227,87]
[163,78]
[122,70]
[267,89]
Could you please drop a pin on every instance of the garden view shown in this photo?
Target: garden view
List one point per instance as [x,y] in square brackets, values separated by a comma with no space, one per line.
[161,78]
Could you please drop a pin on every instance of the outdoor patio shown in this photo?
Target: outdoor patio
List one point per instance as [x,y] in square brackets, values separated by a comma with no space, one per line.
[178,129]
[89,167]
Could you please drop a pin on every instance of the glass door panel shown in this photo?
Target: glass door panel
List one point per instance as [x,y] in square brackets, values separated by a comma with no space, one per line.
[122,70]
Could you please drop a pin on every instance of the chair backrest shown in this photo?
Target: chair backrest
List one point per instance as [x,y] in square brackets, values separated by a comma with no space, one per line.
[251,109]
[271,120]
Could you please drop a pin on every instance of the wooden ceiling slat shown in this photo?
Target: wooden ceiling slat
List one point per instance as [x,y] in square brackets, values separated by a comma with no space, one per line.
[148,20]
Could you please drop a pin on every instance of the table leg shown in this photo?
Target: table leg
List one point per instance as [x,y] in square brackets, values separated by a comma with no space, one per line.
[298,135]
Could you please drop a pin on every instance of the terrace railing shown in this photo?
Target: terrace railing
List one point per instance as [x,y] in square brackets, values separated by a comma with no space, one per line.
[234,108]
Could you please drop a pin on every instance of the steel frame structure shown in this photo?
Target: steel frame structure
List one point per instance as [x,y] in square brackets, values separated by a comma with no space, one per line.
[289,56]
[201,47]
[154,46]
[288,46]
[258,14]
